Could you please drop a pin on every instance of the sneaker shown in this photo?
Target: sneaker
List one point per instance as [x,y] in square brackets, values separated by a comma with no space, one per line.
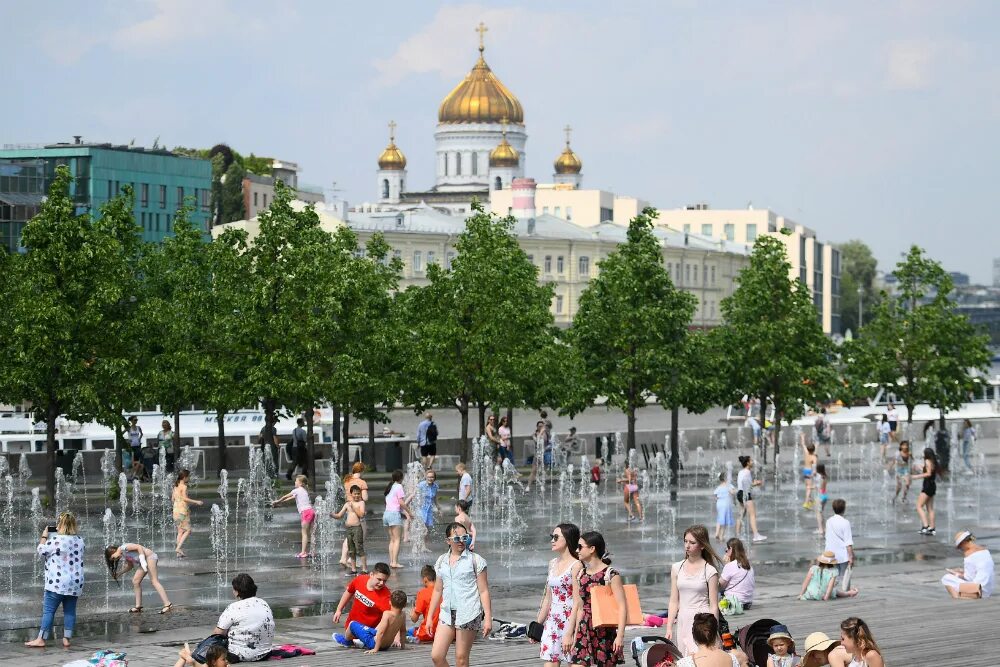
[759,538]
[358,643]
[923,530]
[931,531]
[342,640]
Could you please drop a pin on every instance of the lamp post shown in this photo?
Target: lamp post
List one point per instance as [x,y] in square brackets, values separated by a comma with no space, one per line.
[860,296]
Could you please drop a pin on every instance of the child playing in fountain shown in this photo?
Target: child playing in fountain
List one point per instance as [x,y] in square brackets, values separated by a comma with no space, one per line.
[462,517]
[903,469]
[724,493]
[595,472]
[809,461]
[819,481]
[355,511]
[421,633]
[307,515]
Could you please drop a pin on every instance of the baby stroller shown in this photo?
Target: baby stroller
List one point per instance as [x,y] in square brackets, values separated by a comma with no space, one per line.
[655,652]
[753,640]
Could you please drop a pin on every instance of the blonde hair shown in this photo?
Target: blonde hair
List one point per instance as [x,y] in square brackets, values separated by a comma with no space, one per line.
[67,523]
[302,479]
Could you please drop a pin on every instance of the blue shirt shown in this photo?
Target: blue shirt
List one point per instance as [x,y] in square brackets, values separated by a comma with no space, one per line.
[459,592]
[422,432]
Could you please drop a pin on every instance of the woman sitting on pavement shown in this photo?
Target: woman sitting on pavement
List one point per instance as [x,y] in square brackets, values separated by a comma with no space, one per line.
[821,580]
[737,580]
[976,580]
[822,651]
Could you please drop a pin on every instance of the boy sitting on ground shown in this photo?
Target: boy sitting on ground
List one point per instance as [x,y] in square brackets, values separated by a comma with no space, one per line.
[422,632]
[391,630]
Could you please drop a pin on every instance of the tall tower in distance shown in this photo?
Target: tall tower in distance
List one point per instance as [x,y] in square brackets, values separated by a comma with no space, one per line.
[391,170]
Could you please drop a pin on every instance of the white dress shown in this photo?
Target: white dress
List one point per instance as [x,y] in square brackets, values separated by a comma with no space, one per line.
[689,661]
[692,598]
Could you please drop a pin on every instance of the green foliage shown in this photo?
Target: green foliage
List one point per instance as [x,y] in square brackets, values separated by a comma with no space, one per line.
[262,166]
[771,344]
[917,344]
[231,197]
[477,334]
[857,269]
[631,329]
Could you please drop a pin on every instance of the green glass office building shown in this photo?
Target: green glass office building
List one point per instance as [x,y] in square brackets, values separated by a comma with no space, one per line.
[161,180]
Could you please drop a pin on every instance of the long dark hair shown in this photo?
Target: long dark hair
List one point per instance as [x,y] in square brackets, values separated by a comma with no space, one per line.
[397,476]
[928,426]
[112,562]
[929,454]
[571,533]
[744,460]
[739,552]
[596,540]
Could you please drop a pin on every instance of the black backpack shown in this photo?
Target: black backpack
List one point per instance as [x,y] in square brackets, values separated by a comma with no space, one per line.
[432,432]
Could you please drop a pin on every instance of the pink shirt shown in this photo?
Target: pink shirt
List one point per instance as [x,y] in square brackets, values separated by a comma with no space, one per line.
[301,499]
[395,498]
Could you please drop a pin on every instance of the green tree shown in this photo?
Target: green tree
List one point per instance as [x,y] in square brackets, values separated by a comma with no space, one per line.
[64,296]
[857,270]
[631,329]
[917,344]
[474,332]
[231,200]
[771,344]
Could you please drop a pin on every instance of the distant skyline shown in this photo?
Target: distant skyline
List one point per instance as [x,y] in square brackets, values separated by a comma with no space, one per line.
[875,121]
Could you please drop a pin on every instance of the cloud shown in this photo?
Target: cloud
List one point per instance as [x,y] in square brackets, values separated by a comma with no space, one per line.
[66,45]
[909,65]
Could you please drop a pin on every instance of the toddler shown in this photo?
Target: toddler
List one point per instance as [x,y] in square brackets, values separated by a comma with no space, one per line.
[782,652]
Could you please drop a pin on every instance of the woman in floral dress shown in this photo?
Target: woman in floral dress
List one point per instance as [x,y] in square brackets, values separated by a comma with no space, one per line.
[583,644]
[557,604]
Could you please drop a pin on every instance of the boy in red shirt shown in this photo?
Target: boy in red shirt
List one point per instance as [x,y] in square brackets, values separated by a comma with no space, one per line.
[419,633]
[369,598]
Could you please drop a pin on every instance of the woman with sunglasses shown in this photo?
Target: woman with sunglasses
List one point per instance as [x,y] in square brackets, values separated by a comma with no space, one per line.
[557,603]
[584,644]
[462,591]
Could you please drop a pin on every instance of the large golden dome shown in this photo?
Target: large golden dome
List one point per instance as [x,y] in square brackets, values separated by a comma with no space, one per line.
[392,158]
[480,98]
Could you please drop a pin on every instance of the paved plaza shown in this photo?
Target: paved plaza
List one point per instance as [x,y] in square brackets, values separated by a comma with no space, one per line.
[897,572]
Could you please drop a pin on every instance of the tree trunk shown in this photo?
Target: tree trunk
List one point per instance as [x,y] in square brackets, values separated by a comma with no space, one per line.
[340,453]
[482,418]
[910,407]
[675,461]
[310,451]
[763,426]
[510,425]
[371,433]
[177,432]
[220,419]
[630,439]
[346,440]
[463,409]
[777,445]
[119,443]
[51,412]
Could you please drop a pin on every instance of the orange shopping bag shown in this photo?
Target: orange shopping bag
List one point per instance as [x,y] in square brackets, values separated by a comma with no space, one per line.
[604,607]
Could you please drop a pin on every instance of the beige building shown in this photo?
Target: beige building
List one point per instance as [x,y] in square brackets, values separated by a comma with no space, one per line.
[585,208]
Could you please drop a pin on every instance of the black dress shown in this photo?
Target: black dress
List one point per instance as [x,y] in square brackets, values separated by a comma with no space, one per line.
[929,487]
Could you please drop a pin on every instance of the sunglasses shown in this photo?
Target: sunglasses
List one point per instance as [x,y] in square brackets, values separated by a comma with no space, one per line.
[460,539]
[555,537]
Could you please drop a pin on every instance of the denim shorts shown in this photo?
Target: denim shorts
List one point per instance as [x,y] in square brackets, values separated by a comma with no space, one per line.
[392,518]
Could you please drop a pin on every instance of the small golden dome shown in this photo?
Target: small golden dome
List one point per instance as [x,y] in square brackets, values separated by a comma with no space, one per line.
[480,97]
[568,162]
[392,158]
[504,155]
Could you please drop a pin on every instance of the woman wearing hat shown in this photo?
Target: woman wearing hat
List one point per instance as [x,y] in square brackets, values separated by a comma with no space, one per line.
[821,650]
[976,580]
[782,645]
[821,580]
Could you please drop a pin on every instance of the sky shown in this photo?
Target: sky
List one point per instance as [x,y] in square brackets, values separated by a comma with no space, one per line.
[877,121]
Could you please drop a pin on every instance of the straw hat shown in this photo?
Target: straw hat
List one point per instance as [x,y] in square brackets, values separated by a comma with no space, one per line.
[818,641]
[781,632]
[827,558]
[962,536]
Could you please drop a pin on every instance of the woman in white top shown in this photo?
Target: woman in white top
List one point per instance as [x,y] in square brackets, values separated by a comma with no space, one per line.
[705,630]
[392,519]
[857,640]
[744,496]
[506,450]
[738,579]
[63,554]
[694,587]
[976,579]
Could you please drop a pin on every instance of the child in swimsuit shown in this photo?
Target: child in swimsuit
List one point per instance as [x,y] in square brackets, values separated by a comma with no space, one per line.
[903,468]
[819,480]
[808,466]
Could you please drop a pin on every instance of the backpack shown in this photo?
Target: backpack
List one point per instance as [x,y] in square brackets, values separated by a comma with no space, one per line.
[432,432]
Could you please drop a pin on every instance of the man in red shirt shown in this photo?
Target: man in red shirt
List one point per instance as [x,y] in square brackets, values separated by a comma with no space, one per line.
[368,597]
[423,605]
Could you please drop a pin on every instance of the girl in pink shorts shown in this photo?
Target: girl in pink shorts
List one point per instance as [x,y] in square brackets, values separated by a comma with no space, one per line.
[306,512]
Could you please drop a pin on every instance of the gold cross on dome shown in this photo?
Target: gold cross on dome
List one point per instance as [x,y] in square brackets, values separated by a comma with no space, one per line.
[392,130]
[568,130]
[481,29]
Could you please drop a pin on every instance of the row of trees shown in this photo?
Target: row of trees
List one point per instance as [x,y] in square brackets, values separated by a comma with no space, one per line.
[99,322]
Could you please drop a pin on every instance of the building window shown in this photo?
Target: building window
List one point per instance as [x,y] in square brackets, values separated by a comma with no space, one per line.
[157,222]
[558,211]
[548,264]
[531,258]
[706,230]
[475,164]
[713,276]
[670,270]
[751,233]
[180,196]
[545,210]
[110,193]
[569,213]
[385,188]
[168,222]
[206,199]
[729,230]
[687,229]
[711,306]
[397,254]
[265,200]
[607,215]
[695,273]
[559,303]
[687,274]
[163,196]
[449,257]
[458,164]
[559,264]
[431,257]
[143,217]
[498,185]
[584,263]
[255,200]
[418,262]
[144,195]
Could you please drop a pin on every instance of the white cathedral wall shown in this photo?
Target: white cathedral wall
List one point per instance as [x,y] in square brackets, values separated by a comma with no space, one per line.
[472,141]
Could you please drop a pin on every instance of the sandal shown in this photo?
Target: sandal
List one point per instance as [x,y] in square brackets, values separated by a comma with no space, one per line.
[166,608]
[135,610]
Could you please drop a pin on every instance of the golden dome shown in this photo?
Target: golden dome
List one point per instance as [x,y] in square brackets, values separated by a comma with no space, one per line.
[504,155]
[392,158]
[480,98]
[568,162]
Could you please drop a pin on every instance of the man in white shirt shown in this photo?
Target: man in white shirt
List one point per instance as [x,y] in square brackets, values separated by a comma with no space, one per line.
[839,539]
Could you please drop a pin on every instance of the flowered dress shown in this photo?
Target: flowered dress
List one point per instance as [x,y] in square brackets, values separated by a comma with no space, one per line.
[593,645]
[560,607]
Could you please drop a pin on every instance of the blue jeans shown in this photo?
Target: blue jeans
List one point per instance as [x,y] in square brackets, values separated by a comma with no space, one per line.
[50,603]
[364,633]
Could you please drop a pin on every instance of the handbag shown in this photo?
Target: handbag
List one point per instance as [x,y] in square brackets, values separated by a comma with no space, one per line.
[535,630]
[604,606]
[199,654]
[845,582]
[730,605]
